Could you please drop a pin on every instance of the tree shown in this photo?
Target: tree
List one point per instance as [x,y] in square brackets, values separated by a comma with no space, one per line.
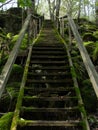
[96,11]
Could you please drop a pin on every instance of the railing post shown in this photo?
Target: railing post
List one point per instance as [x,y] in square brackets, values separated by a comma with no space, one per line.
[39,24]
[62,27]
[93,75]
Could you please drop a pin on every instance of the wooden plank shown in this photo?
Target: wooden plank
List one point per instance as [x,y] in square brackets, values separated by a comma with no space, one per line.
[32,109]
[48,74]
[69,123]
[47,62]
[38,67]
[12,57]
[49,81]
[86,59]
[59,98]
[59,89]
[48,57]
[48,48]
[48,52]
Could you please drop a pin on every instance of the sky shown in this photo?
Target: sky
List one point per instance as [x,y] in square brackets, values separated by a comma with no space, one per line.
[11,4]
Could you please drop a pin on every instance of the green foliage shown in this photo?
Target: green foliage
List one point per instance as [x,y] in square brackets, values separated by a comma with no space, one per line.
[3,61]
[90,46]
[95,52]
[95,34]
[13,88]
[88,94]
[25,3]
[17,69]
[24,44]
[89,37]
[5,121]
[2,1]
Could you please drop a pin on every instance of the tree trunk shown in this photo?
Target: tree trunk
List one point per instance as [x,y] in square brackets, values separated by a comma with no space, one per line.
[79,12]
[96,11]
[49,3]
[58,2]
[33,7]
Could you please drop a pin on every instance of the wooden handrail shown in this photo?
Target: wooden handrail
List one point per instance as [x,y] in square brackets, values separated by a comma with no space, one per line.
[85,56]
[12,57]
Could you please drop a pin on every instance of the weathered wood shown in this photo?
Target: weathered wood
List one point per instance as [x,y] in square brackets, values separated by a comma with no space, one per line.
[48,74]
[55,89]
[64,68]
[12,57]
[78,94]
[60,98]
[86,59]
[21,93]
[32,109]
[50,81]
[69,123]
[47,62]
[62,27]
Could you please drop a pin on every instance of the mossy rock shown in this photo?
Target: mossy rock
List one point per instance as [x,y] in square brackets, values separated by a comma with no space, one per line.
[89,37]
[5,121]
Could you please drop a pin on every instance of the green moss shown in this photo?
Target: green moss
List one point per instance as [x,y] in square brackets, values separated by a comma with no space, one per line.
[89,37]
[95,52]
[89,97]
[87,43]
[95,34]
[5,121]
[90,46]
[13,88]
[17,69]
[73,72]
[24,43]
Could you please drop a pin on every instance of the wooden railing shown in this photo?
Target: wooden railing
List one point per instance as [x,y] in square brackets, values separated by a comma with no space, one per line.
[84,54]
[12,57]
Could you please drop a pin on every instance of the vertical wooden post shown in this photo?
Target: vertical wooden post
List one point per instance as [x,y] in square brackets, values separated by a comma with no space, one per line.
[39,24]
[62,27]
[36,27]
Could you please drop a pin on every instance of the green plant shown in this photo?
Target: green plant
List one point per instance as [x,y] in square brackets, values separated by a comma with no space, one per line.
[5,121]
[95,52]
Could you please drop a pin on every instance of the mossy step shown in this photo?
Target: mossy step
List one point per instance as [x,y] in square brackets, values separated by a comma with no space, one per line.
[49,74]
[59,89]
[48,57]
[48,62]
[56,45]
[66,81]
[35,109]
[65,68]
[49,91]
[48,48]
[59,98]
[49,52]
[68,123]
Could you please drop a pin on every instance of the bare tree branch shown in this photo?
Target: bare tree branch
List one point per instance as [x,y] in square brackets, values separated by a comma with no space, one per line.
[5,3]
